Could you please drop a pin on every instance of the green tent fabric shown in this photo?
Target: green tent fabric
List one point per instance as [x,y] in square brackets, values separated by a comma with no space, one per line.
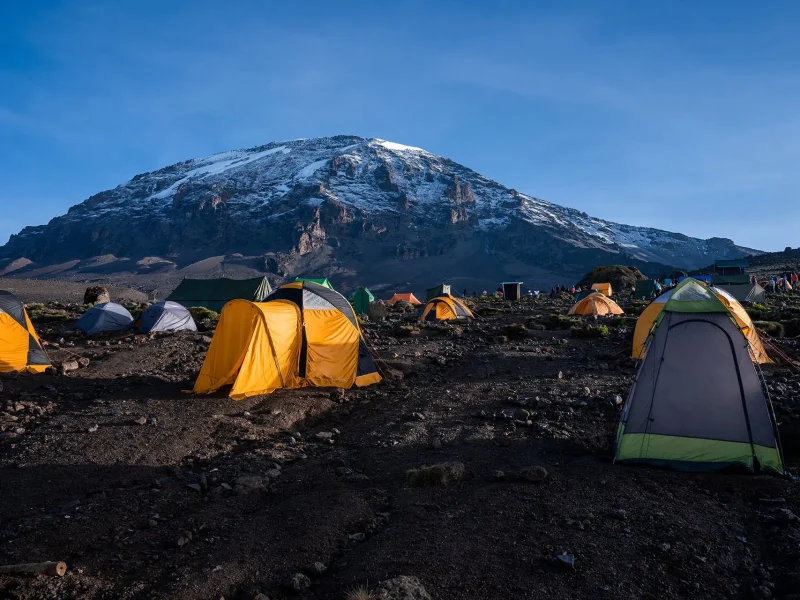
[213,294]
[360,299]
[746,292]
[697,402]
[645,288]
[582,294]
[318,280]
[434,292]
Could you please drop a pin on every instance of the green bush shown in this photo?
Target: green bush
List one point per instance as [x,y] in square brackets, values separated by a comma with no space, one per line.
[589,332]
[770,328]
[516,331]
[201,313]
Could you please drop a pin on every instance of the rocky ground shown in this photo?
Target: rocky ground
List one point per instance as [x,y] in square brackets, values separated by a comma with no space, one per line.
[148,492]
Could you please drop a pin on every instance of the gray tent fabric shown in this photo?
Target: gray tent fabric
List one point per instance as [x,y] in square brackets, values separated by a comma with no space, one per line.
[747,292]
[166,316]
[697,380]
[108,316]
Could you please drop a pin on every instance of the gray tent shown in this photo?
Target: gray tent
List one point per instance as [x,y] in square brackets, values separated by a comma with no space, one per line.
[745,292]
[166,316]
[108,316]
[698,402]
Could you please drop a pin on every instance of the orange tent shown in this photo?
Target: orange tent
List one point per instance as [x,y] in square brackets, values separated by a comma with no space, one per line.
[407,297]
[595,304]
[603,288]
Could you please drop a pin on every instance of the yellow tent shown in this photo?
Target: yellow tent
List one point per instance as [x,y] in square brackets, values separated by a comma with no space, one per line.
[20,348]
[445,308]
[648,317]
[303,334]
[603,288]
[596,304]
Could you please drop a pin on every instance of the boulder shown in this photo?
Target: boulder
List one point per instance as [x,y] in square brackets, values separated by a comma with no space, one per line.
[378,310]
[96,294]
[403,587]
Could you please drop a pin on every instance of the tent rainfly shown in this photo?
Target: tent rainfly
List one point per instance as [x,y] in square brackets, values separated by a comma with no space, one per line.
[214,293]
[303,335]
[20,348]
[595,304]
[745,292]
[697,402]
[361,299]
[411,298]
[440,290]
[645,322]
[166,316]
[445,308]
[511,290]
[318,280]
[108,316]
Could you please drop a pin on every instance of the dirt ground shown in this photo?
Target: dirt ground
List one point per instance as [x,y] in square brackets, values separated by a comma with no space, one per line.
[148,492]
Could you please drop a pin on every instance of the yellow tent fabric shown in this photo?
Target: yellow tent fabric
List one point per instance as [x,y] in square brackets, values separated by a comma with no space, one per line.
[304,334]
[603,288]
[648,317]
[596,304]
[445,308]
[20,347]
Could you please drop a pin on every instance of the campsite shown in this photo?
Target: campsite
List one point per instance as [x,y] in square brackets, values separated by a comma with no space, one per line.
[481,466]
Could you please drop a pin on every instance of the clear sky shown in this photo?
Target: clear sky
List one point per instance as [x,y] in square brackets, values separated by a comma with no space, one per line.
[677,114]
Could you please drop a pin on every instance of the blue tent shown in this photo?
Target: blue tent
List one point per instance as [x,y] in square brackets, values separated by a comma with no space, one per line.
[166,316]
[108,316]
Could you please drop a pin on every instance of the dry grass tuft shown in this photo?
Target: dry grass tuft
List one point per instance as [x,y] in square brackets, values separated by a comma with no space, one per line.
[359,593]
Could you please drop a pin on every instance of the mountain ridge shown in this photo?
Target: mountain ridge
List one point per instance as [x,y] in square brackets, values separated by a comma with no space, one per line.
[345,205]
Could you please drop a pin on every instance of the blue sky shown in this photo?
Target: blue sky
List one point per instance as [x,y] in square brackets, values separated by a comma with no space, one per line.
[681,115]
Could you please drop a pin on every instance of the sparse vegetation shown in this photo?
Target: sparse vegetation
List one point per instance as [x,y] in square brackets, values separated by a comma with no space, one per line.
[516,331]
[201,313]
[439,474]
[772,328]
[589,331]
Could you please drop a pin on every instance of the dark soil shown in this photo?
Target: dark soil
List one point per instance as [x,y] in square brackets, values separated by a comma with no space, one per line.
[211,498]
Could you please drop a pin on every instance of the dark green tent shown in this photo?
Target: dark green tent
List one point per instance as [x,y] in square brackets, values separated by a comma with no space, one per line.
[215,293]
[440,290]
[582,294]
[360,299]
[318,280]
[645,288]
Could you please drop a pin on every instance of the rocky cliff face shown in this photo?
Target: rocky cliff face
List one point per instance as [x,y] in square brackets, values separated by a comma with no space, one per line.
[351,206]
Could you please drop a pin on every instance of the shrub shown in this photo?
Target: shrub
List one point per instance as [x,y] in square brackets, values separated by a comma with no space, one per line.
[440,474]
[770,328]
[201,313]
[516,331]
[589,332]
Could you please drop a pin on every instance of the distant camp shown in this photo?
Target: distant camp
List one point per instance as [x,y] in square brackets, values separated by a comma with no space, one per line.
[595,304]
[650,314]
[20,347]
[698,402]
[304,334]
[165,316]
[101,318]
[445,308]
[214,293]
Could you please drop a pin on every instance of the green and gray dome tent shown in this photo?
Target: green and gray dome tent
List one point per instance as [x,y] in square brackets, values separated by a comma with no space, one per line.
[698,402]
[360,299]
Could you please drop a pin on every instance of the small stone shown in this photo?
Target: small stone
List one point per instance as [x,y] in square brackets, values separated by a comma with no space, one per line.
[83,362]
[619,513]
[416,416]
[560,375]
[357,537]
[522,415]
[587,392]
[535,474]
[250,482]
[298,582]
[141,421]
[316,569]
[93,428]
[273,473]
[436,443]
[196,487]
[324,435]
[618,400]
[498,475]
[403,587]
[665,547]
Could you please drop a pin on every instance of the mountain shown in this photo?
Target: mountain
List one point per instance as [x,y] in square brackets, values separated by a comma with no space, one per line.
[346,207]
